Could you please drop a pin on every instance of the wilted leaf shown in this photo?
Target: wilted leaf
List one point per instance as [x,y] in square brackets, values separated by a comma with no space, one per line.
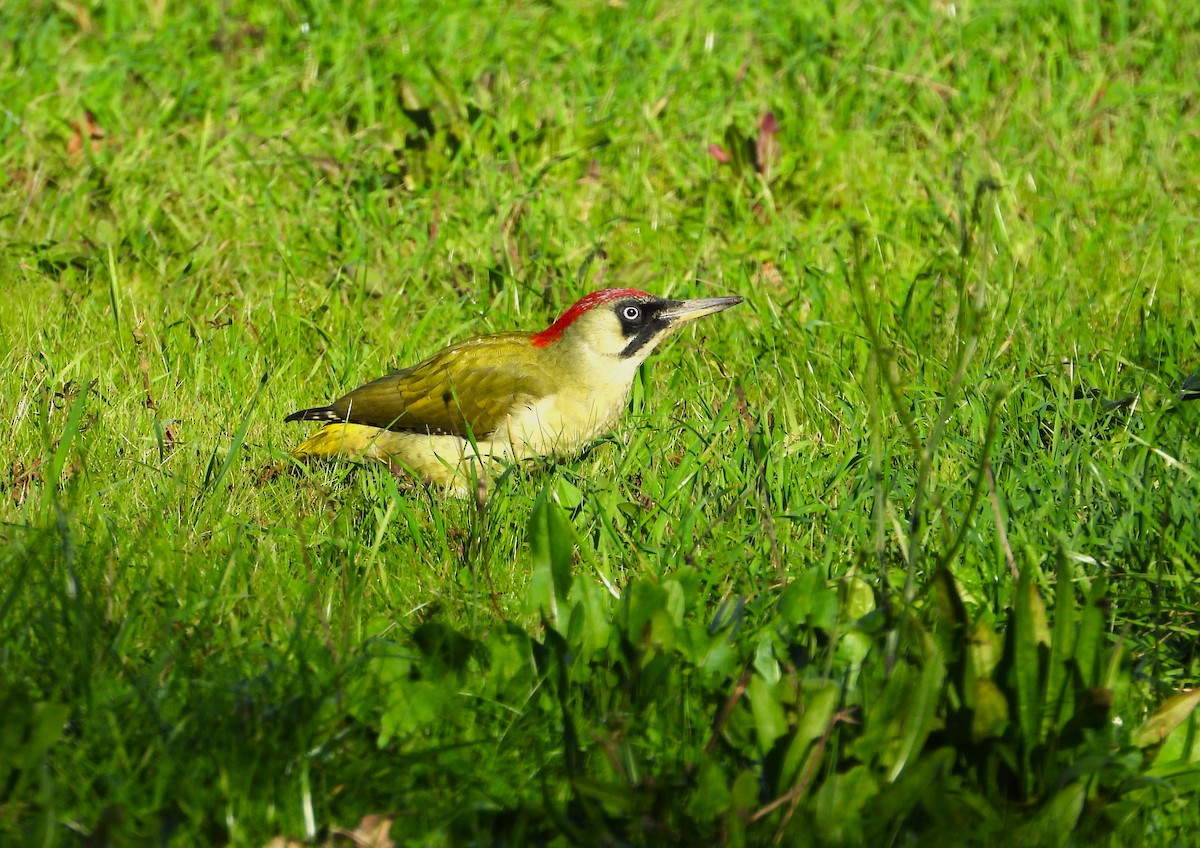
[766,147]
[768,274]
[85,131]
[372,832]
[242,35]
[22,479]
[1179,752]
[1166,718]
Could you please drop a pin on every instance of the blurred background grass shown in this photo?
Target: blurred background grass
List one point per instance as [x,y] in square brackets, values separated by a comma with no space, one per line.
[214,215]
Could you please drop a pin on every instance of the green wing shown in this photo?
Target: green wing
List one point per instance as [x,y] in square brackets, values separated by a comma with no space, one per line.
[473,384]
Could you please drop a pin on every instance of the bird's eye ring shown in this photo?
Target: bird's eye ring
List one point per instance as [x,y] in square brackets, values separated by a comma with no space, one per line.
[631,313]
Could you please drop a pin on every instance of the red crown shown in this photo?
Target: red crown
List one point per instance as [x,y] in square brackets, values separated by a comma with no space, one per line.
[597,298]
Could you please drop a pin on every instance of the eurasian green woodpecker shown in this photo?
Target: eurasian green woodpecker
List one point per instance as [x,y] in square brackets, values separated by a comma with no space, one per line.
[492,400]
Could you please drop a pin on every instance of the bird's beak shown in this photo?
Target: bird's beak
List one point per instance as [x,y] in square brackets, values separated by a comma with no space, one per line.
[680,312]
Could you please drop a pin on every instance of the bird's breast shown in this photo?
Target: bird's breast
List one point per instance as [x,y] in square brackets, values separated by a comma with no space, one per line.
[564,422]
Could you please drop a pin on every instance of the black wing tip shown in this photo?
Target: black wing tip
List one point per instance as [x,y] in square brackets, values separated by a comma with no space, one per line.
[318,413]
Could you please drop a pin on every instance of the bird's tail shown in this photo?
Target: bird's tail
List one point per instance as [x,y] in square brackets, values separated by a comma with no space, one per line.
[317,413]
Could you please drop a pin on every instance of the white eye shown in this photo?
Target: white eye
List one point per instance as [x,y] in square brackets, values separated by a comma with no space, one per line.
[631,313]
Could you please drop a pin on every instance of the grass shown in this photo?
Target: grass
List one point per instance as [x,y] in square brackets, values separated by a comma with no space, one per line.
[903,549]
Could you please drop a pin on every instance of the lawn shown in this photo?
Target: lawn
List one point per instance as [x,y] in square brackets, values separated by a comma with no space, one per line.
[902,551]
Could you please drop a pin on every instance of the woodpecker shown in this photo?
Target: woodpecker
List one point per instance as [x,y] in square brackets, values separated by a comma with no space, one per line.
[486,402]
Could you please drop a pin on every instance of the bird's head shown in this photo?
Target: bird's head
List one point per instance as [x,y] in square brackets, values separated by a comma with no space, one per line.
[625,325]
